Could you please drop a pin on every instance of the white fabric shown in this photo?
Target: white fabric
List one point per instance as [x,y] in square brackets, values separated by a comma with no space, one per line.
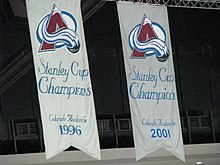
[150,80]
[63,78]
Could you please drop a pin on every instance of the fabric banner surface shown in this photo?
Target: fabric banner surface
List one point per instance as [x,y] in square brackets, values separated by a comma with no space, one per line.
[150,78]
[63,77]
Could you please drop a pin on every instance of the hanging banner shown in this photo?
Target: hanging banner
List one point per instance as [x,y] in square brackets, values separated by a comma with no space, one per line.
[150,78]
[63,77]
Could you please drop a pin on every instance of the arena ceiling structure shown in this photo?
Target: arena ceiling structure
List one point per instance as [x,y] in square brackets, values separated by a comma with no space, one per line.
[204,4]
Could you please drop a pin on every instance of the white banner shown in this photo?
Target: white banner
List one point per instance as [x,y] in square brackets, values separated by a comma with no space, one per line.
[63,78]
[150,78]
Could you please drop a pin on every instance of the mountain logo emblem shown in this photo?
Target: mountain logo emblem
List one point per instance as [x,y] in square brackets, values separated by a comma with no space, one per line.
[57,30]
[147,39]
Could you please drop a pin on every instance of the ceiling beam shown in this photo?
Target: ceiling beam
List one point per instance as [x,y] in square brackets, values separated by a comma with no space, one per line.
[204,4]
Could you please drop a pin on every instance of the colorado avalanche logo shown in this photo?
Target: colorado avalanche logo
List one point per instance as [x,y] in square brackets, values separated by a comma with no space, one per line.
[56,30]
[147,39]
